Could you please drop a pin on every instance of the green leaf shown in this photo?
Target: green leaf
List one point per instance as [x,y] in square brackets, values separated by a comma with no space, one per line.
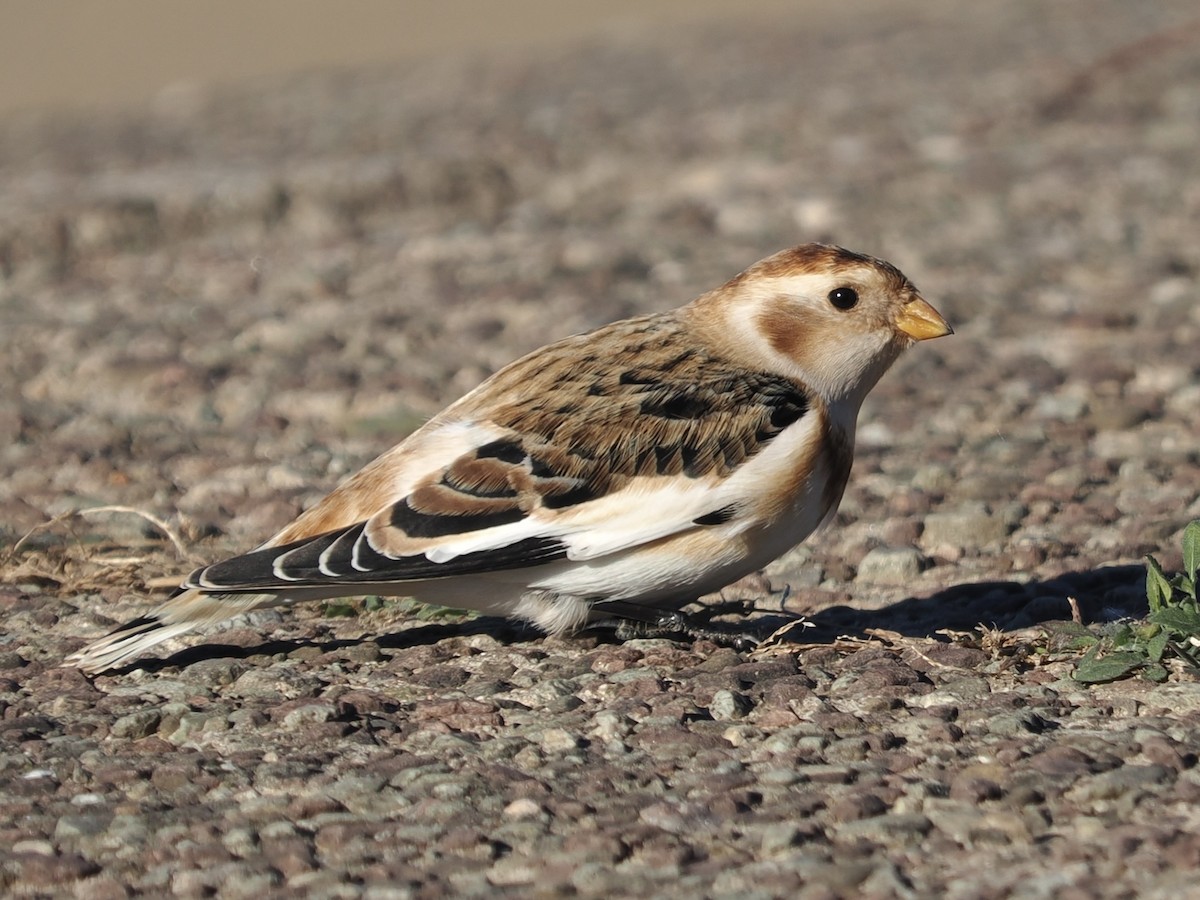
[1069,635]
[1155,673]
[1064,629]
[430,613]
[1187,586]
[1182,620]
[1122,636]
[1191,549]
[340,610]
[1108,668]
[1157,645]
[1158,588]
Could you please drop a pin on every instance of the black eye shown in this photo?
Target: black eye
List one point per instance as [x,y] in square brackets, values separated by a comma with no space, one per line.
[844,297]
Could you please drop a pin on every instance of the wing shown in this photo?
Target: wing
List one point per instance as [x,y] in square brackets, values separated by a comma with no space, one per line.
[562,455]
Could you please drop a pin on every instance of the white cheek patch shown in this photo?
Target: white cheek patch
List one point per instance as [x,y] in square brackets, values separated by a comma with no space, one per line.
[839,355]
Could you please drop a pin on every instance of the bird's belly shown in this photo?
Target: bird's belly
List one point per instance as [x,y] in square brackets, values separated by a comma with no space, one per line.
[676,569]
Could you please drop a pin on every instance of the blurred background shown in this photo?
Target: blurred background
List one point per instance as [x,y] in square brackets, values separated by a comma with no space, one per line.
[79,53]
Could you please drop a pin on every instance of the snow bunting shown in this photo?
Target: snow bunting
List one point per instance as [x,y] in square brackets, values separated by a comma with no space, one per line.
[619,474]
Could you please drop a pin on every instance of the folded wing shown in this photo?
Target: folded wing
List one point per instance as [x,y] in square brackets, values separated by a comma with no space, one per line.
[584,462]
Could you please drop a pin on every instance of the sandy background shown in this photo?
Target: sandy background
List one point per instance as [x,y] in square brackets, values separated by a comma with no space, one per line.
[81,54]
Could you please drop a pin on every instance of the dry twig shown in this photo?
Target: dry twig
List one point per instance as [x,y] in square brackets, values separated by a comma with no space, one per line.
[154,520]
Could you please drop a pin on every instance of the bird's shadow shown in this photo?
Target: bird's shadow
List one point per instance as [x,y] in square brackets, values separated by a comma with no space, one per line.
[1099,595]
[504,629]
[1095,595]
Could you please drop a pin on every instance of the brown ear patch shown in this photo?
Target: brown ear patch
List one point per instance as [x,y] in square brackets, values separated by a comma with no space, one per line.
[789,328]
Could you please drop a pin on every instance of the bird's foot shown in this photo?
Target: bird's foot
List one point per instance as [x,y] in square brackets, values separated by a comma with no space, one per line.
[676,626]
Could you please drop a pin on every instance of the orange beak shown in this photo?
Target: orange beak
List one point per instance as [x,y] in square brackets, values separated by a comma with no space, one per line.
[920,321]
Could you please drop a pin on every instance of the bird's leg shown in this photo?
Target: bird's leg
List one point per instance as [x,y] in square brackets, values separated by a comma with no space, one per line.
[631,622]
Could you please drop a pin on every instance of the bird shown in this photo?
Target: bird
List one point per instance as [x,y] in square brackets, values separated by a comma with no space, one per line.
[618,474]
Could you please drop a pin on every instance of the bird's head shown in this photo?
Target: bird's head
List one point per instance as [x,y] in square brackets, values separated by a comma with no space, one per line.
[832,318]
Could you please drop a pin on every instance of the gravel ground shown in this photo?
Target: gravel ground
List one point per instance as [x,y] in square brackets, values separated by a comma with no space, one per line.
[215,308]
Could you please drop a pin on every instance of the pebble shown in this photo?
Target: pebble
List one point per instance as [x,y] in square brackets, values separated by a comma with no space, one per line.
[728,705]
[190,724]
[1181,699]
[608,725]
[309,714]
[891,565]
[559,740]
[1016,723]
[780,836]
[825,773]
[860,806]
[1120,782]
[523,808]
[74,827]
[971,525]
[136,725]
[894,828]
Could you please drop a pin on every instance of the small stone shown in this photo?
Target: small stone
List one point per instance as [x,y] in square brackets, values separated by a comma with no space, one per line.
[1016,723]
[241,842]
[860,806]
[254,886]
[608,725]
[890,565]
[1118,782]
[355,785]
[100,887]
[559,740]
[136,725]
[895,828]
[935,479]
[1161,750]
[217,671]
[512,870]
[1062,407]
[188,725]
[309,714]
[974,789]
[847,750]
[1179,698]
[826,774]
[366,652]
[170,715]
[73,827]
[726,705]
[780,836]
[968,824]
[523,808]
[48,869]
[738,735]
[779,777]
[797,568]
[971,525]
[1061,761]
[666,816]
[1113,414]
[546,694]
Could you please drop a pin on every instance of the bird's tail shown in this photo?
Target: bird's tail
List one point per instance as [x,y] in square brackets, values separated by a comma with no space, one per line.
[183,612]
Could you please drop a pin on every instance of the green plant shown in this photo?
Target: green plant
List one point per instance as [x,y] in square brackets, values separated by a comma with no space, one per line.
[425,612]
[1172,627]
